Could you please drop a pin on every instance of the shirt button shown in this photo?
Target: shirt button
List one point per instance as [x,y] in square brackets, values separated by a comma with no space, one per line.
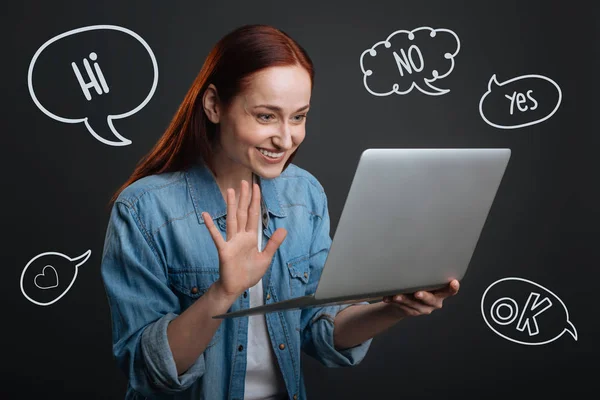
[194,290]
[306,274]
[245,294]
[282,346]
[240,348]
[268,296]
[295,397]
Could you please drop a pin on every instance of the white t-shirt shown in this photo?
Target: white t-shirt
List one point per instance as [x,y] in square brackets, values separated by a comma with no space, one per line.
[263,377]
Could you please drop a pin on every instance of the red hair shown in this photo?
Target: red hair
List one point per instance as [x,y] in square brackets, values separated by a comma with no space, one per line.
[229,66]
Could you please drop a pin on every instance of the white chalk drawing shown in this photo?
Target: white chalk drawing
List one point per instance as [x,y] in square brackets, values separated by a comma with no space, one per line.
[47,280]
[505,311]
[410,61]
[96,81]
[524,101]
[85,87]
[43,277]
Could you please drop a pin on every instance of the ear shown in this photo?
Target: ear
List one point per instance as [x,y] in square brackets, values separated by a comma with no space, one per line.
[210,103]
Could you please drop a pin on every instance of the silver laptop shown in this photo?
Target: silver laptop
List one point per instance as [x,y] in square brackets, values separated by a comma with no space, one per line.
[411,221]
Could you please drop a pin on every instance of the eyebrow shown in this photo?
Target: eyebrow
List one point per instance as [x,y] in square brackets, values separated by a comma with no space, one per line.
[275,108]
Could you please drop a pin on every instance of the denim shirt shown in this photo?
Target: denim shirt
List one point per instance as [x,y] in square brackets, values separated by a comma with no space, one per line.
[159,258]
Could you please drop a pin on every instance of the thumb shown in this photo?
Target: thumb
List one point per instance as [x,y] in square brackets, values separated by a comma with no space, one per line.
[273,244]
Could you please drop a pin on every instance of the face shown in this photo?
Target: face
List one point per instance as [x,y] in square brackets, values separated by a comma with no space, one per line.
[265,123]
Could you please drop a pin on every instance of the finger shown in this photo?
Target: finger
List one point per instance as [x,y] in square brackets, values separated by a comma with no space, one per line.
[454,286]
[274,242]
[405,300]
[450,290]
[242,210]
[231,220]
[429,299]
[404,307]
[214,232]
[254,211]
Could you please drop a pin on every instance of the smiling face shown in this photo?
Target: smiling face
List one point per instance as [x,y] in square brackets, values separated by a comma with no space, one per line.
[264,124]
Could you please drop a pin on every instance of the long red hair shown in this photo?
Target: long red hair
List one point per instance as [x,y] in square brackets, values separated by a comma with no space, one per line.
[191,135]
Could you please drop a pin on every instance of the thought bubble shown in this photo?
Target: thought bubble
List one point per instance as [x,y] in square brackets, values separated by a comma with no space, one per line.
[94,75]
[48,276]
[524,312]
[415,59]
[518,102]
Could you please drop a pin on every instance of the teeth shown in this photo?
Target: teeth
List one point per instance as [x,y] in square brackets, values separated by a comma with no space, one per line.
[272,155]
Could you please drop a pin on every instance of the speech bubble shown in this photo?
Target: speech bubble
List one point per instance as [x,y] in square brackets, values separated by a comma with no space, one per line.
[522,101]
[99,72]
[525,312]
[48,276]
[414,56]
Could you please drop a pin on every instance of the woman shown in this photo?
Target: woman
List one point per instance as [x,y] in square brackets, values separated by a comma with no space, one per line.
[184,240]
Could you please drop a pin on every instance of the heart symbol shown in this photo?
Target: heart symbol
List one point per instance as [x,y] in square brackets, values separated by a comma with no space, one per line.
[50,281]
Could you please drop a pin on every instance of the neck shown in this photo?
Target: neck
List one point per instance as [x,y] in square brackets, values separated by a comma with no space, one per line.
[230,175]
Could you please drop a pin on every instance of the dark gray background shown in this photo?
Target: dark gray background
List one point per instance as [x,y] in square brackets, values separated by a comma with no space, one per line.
[543,225]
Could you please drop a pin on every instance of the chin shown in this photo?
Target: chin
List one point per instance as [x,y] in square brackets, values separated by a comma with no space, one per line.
[268,173]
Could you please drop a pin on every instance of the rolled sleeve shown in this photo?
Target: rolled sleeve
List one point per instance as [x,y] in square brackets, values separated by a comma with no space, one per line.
[159,359]
[318,322]
[319,340]
[141,305]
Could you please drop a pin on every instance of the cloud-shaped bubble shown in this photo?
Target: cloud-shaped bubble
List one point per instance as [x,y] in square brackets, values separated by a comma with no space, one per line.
[95,75]
[525,312]
[48,276]
[410,59]
[519,102]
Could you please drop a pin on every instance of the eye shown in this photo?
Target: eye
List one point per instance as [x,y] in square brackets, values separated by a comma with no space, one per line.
[302,117]
[260,116]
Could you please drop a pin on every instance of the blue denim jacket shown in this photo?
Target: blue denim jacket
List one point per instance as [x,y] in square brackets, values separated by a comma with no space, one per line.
[159,258]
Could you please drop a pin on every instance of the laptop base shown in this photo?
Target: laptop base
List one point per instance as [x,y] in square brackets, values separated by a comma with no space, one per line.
[311,301]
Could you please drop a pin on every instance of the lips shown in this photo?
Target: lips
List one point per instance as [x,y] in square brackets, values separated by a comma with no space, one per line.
[268,159]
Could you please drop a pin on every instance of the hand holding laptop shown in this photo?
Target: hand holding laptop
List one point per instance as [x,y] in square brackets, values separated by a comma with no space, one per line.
[421,302]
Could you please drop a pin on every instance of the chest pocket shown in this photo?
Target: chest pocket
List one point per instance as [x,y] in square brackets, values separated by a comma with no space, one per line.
[190,284]
[299,269]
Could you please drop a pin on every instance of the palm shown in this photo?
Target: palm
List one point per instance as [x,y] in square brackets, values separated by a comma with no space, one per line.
[247,264]
[241,265]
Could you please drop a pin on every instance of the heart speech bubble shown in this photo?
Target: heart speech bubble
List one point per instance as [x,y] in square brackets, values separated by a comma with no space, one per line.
[94,75]
[524,312]
[522,101]
[415,59]
[48,276]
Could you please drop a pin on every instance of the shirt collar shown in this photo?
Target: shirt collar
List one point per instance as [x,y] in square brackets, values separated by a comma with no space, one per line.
[206,195]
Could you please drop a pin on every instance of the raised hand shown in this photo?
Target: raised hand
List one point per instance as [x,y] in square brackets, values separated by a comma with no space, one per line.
[241,265]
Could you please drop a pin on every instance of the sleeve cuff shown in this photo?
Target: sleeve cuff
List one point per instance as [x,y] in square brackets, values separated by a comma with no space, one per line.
[322,327]
[159,359]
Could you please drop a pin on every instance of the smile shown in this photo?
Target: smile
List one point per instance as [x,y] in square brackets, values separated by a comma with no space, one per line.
[269,157]
[270,154]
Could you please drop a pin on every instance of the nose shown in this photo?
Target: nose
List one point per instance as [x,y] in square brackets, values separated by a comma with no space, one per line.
[284,139]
